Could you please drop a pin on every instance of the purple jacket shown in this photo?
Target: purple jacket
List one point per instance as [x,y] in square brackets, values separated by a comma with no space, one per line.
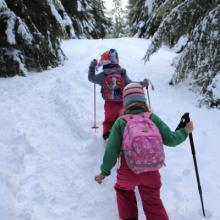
[98,79]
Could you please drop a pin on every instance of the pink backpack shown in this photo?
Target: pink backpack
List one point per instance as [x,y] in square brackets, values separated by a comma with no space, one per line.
[142,143]
[112,87]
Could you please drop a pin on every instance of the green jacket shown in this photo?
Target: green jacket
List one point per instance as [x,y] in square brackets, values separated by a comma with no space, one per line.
[114,143]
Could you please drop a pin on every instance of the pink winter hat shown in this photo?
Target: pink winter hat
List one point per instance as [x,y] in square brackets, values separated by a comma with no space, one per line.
[133,92]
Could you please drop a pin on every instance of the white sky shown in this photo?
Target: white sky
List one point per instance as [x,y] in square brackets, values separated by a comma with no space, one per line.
[109,3]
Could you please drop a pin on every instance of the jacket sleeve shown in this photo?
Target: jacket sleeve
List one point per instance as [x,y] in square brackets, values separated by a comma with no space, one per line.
[127,79]
[92,77]
[170,138]
[113,147]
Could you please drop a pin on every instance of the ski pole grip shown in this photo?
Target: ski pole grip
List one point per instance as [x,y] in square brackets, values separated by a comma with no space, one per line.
[187,118]
[184,120]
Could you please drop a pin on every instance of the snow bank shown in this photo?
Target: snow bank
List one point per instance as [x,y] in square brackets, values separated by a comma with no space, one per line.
[49,153]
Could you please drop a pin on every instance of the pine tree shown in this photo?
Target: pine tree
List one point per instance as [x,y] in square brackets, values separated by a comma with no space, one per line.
[36,27]
[103,23]
[33,41]
[118,13]
[198,21]
[137,17]
[88,17]
[143,17]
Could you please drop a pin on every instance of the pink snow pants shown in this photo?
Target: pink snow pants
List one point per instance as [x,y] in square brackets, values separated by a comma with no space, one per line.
[112,111]
[148,184]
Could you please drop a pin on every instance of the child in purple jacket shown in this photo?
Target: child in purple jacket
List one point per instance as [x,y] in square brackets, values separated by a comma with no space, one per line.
[110,65]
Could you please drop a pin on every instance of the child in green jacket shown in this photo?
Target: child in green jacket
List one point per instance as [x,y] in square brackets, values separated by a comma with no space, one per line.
[148,183]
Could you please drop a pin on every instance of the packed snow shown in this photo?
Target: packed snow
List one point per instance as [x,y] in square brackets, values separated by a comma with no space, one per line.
[49,154]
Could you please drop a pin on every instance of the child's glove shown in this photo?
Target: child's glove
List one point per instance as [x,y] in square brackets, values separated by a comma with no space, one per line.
[189,127]
[94,63]
[99,178]
[146,82]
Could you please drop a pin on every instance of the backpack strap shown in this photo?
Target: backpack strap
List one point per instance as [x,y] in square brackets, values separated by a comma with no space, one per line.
[147,114]
[127,117]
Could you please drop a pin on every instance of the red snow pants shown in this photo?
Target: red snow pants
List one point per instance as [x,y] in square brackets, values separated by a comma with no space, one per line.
[148,184]
[112,111]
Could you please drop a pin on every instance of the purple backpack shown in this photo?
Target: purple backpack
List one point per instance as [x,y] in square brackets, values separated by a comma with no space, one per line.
[142,143]
[112,87]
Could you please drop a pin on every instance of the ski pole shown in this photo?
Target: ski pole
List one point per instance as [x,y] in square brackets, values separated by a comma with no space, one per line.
[94,125]
[184,120]
[148,95]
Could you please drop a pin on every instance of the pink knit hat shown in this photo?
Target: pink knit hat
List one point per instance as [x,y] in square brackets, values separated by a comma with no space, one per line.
[133,92]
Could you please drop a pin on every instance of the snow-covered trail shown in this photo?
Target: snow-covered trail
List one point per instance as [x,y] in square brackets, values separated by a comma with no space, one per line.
[49,154]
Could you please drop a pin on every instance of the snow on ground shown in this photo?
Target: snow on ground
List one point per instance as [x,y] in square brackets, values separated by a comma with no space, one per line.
[49,153]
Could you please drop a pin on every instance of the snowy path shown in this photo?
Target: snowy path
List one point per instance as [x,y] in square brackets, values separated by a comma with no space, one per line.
[49,154]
